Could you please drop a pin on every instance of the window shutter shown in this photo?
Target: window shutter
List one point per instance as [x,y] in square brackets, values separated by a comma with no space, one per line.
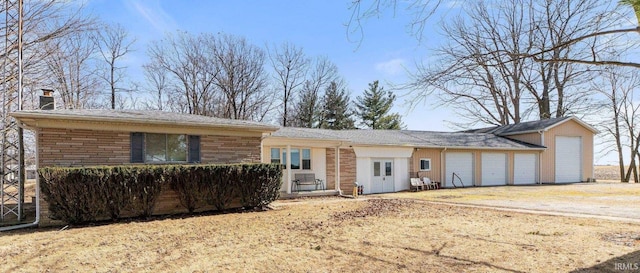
[137,147]
[194,149]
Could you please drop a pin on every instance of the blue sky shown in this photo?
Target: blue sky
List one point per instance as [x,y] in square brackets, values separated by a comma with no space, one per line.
[318,26]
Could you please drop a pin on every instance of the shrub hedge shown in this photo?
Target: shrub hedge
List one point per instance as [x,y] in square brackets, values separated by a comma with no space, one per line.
[77,195]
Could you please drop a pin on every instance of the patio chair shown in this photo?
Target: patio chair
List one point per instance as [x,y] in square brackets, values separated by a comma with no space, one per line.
[430,185]
[416,184]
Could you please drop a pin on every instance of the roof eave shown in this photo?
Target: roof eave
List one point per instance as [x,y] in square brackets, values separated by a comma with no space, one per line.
[54,116]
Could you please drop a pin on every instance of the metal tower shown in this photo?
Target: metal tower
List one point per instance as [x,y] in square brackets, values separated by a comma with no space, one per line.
[12,168]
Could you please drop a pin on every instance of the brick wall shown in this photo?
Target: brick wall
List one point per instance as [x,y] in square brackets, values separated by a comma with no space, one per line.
[347,169]
[75,147]
[230,149]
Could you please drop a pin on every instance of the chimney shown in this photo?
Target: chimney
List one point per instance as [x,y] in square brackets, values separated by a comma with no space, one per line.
[46,100]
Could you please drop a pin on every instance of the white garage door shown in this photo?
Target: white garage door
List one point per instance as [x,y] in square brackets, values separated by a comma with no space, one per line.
[494,169]
[568,159]
[462,165]
[524,169]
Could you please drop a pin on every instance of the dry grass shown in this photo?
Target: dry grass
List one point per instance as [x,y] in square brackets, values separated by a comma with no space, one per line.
[329,235]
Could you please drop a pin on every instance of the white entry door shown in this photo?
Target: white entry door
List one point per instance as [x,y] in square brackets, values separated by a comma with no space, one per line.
[382,176]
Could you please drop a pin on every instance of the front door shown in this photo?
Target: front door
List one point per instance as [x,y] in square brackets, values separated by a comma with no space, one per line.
[382,176]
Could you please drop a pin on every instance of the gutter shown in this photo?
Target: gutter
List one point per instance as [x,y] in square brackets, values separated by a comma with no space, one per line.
[442,168]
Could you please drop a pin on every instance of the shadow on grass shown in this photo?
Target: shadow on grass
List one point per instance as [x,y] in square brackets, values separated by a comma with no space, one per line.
[142,219]
[626,263]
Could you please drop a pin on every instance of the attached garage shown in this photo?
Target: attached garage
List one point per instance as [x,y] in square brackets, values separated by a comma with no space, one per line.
[568,166]
[494,169]
[525,167]
[462,165]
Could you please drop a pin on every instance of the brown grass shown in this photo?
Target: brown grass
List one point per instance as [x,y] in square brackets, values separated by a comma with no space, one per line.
[328,235]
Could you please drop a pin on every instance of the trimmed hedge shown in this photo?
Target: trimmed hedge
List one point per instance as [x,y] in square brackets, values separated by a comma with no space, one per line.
[77,195]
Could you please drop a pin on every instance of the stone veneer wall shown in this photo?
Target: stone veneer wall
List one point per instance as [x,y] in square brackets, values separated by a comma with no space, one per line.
[347,169]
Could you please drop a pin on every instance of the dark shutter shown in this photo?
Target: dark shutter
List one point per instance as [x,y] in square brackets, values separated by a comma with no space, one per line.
[194,149]
[137,147]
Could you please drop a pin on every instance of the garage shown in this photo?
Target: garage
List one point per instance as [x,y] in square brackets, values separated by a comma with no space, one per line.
[524,169]
[494,169]
[568,166]
[462,165]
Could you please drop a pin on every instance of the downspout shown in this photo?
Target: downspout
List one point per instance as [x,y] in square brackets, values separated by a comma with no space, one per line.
[442,167]
[540,157]
[337,175]
[37,220]
[288,158]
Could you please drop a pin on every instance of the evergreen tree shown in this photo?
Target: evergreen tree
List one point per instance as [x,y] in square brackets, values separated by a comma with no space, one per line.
[335,111]
[307,110]
[373,109]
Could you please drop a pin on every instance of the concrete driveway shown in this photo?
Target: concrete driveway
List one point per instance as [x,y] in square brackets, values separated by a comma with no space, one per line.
[615,201]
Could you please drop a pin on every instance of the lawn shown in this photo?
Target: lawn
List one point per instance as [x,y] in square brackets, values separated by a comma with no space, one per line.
[330,235]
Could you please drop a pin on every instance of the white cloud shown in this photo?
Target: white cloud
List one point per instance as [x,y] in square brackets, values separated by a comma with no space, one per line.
[159,19]
[392,67]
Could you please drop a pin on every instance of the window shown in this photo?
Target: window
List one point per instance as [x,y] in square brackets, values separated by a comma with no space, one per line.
[295,159]
[306,159]
[300,158]
[425,164]
[387,168]
[376,168]
[160,148]
[275,155]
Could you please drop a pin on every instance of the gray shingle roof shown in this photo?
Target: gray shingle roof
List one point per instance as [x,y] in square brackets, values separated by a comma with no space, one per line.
[529,127]
[424,139]
[151,117]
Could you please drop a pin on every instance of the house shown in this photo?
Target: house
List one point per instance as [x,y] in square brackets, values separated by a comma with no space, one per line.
[76,138]
[550,151]
[558,150]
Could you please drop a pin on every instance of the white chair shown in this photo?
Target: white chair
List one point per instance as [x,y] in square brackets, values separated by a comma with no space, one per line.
[416,184]
[430,185]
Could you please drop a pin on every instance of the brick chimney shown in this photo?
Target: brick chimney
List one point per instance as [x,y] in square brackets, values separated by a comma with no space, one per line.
[46,100]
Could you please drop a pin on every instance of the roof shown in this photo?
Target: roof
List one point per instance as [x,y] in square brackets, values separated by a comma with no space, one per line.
[421,139]
[530,126]
[138,116]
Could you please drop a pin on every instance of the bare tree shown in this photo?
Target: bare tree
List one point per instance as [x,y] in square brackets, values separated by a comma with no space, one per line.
[202,74]
[483,74]
[73,71]
[241,78]
[113,44]
[290,66]
[158,81]
[188,61]
[419,10]
[617,85]
[44,21]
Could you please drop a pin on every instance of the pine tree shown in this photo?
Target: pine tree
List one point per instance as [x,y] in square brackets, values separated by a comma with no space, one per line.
[307,110]
[373,109]
[335,111]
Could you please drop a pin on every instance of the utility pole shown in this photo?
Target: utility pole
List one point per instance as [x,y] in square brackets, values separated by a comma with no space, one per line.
[12,160]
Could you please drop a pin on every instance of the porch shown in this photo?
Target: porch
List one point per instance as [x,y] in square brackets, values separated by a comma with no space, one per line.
[313,193]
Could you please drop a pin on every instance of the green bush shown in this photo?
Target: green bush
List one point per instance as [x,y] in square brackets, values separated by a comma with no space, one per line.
[77,195]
